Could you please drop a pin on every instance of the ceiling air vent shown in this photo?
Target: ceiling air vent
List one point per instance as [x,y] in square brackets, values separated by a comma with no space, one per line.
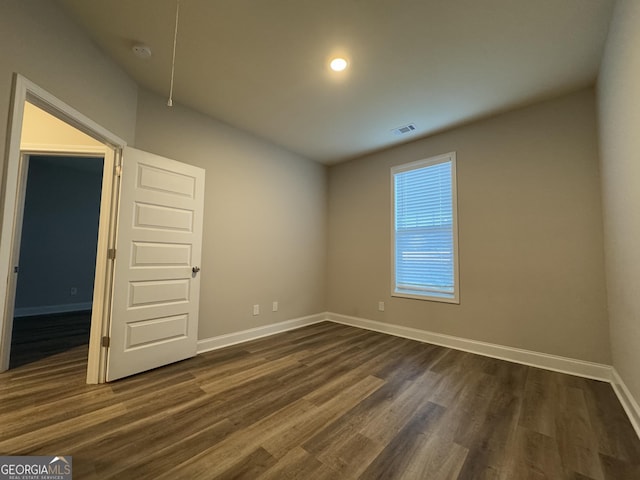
[404,129]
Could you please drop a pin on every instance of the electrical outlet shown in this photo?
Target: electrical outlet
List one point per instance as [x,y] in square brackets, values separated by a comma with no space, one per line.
[274,308]
[381,306]
[74,290]
[256,309]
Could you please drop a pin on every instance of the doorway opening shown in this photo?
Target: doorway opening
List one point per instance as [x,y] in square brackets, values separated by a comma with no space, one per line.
[57,255]
[144,312]
[80,137]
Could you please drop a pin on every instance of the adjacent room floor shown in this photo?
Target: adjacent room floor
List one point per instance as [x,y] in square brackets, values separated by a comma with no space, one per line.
[322,402]
[38,337]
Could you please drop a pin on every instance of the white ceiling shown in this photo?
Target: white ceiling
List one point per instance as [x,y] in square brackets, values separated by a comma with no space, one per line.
[261,65]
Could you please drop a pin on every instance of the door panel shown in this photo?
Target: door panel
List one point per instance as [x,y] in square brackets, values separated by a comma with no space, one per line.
[147,254]
[154,317]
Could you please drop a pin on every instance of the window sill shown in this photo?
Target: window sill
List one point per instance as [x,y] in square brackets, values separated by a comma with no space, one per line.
[433,297]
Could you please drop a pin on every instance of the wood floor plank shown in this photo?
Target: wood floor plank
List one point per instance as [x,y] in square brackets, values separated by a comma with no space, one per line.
[487,455]
[614,433]
[120,422]
[433,458]
[577,444]
[414,454]
[301,427]
[29,440]
[298,464]
[615,469]
[388,420]
[356,418]
[261,433]
[281,423]
[247,375]
[179,452]
[534,455]
[30,418]
[250,467]
[350,455]
[350,352]
[326,401]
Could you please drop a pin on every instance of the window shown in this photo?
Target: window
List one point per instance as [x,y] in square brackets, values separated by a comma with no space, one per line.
[425,229]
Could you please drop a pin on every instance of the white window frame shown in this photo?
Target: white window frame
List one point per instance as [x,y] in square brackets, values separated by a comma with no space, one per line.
[430,296]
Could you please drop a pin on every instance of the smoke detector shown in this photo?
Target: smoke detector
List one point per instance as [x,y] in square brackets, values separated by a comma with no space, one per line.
[141,51]
[404,129]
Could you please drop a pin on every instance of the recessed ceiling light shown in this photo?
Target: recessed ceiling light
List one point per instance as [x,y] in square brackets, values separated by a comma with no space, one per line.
[338,64]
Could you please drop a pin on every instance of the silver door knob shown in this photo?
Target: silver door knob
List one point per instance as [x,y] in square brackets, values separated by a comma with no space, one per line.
[195,269]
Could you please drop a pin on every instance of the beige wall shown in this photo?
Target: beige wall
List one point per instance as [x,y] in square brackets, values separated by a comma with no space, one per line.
[41,129]
[40,42]
[619,109]
[530,233]
[264,227]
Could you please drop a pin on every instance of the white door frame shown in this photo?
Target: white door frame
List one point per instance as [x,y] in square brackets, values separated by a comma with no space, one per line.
[26,90]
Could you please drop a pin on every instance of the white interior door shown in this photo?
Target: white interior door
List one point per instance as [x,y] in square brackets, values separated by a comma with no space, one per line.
[154,316]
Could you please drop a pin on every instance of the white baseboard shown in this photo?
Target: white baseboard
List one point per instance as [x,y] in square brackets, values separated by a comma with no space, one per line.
[214,343]
[556,363]
[52,309]
[629,403]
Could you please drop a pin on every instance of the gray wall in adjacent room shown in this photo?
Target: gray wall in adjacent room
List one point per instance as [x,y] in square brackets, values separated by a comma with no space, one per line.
[59,234]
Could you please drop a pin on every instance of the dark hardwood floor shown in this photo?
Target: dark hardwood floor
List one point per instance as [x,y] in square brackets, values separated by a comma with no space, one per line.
[322,402]
[37,337]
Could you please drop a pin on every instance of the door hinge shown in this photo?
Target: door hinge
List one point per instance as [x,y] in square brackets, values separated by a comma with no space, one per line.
[118,170]
[106,342]
[111,254]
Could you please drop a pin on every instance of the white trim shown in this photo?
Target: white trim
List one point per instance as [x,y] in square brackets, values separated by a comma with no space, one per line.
[556,363]
[221,341]
[9,199]
[51,309]
[629,403]
[70,150]
[101,312]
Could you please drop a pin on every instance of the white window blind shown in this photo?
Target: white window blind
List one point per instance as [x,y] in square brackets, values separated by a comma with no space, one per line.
[425,229]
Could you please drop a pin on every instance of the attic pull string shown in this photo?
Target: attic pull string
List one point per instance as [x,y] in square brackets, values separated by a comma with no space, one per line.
[173,58]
